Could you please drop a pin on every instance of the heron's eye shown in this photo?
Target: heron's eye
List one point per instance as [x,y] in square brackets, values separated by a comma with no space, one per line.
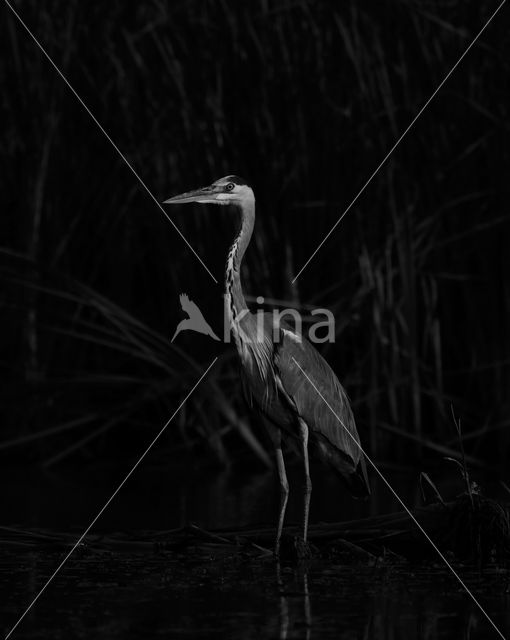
[229,186]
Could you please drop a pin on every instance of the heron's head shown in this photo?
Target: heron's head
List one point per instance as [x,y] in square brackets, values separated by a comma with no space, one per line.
[227,190]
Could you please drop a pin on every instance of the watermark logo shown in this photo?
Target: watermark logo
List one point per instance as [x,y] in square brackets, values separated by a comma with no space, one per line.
[195,320]
[318,325]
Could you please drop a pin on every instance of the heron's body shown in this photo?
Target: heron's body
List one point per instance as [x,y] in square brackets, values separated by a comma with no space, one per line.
[283,394]
[283,374]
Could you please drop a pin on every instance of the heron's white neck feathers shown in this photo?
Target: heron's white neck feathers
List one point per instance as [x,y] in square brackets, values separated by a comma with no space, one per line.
[234,297]
[253,343]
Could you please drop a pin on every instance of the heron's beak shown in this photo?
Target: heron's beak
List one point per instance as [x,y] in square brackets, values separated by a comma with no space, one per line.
[205,194]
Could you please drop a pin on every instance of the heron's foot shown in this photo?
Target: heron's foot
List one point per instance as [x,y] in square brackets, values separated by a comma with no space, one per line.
[294,549]
[303,549]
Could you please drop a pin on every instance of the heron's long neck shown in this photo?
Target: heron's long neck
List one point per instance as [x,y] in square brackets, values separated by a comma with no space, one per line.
[233,289]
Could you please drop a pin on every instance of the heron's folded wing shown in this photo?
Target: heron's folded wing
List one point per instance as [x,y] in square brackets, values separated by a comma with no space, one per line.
[320,399]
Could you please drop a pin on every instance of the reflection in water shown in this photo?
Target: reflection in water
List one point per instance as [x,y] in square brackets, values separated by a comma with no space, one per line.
[417,605]
[308,610]
[298,595]
[284,607]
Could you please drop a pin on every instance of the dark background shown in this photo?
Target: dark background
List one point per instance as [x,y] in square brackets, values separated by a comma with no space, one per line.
[303,99]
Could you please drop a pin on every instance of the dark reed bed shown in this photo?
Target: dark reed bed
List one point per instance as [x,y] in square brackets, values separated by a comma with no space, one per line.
[304,99]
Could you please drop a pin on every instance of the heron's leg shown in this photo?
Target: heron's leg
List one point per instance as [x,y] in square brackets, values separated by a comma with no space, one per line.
[276,437]
[303,432]
[284,494]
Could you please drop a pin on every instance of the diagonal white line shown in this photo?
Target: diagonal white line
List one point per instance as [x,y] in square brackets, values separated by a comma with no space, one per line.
[399,140]
[401,502]
[109,500]
[107,136]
